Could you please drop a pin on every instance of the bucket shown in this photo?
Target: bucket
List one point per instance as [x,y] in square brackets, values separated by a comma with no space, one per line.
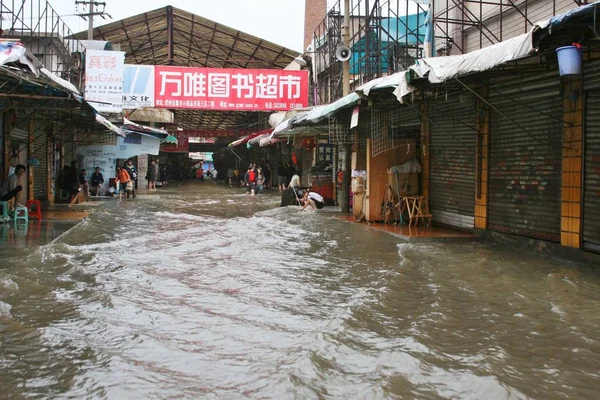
[569,60]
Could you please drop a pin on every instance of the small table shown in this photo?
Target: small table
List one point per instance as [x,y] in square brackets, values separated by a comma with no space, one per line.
[416,207]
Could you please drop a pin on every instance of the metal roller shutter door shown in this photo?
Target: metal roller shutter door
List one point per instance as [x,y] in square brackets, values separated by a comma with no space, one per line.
[591,188]
[525,168]
[452,182]
[591,193]
[591,75]
[40,151]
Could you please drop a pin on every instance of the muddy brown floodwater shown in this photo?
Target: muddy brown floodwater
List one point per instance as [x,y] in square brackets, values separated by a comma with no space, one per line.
[203,292]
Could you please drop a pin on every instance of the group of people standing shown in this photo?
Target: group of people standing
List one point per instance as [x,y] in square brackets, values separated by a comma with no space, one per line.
[211,174]
[254,180]
[73,182]
[126,179]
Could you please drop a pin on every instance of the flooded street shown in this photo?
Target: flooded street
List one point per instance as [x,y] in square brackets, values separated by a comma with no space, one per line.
[203,292]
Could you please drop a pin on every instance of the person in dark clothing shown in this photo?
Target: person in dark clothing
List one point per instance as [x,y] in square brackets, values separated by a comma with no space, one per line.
[97,180]
[151,176]
[71,182]
[163,175]
[289,172]
[132,174]
[281,177]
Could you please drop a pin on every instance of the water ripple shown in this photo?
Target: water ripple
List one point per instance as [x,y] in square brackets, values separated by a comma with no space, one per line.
[203,292]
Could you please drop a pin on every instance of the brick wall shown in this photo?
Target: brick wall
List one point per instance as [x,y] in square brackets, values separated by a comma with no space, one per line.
[314,13]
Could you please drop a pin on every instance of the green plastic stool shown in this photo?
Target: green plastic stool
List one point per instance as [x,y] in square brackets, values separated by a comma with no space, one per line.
[21,213]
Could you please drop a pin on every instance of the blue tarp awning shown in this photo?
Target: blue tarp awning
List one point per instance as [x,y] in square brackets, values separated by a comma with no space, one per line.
[373,48]
[558,20]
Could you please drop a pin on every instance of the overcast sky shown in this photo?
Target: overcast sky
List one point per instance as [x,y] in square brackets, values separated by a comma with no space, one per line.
[278,21]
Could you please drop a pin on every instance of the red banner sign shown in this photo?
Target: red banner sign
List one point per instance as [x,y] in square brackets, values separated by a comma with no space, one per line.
[229,89]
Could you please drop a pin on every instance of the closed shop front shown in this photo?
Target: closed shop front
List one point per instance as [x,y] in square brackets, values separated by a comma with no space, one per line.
[40,154]
[452,182]
[526,156]
[591,191]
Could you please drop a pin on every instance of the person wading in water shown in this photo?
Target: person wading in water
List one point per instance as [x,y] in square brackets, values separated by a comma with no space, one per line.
[313,199]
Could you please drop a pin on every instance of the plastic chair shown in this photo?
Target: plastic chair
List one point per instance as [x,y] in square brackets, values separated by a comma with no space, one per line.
[37,213]
[21,213]
[4,210]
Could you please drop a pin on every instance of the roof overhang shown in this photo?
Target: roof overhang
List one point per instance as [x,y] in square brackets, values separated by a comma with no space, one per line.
[26,79]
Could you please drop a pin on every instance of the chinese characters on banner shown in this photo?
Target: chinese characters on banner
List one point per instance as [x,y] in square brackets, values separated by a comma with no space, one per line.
[229,89]
[104,79]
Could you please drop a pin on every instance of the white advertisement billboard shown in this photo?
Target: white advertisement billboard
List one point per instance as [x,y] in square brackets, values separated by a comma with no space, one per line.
[104,79]
[138,86]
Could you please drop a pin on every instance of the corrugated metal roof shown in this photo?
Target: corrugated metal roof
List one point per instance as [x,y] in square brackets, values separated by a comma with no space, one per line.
[171,36]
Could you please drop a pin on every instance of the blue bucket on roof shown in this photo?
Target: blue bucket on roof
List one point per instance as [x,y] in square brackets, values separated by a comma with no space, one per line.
[569,60]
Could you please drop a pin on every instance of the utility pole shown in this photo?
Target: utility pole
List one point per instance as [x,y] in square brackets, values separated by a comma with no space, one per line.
[91,13]
[346,42]
[345,192]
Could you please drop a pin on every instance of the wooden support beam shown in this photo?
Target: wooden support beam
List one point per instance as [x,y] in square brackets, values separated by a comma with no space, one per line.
[49,163]
[170,56]
[7,129]
[129,41]
[425,151]
[482,161]
[572,161]
[30,140]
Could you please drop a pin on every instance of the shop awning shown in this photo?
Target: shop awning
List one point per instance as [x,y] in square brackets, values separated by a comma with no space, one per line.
[321,113]
[131,127]
[257,139]
[441,69]
[558,20]
[267,141]
[386,82]
[18,62]
[170,140]
[237,142]
[247,138]
[109,125]
[290,122]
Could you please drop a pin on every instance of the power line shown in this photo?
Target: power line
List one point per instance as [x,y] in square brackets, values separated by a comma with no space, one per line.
[91,5]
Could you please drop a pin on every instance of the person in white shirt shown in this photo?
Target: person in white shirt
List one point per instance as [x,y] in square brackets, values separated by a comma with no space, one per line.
[13,186]
[214,175]
[313,199]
